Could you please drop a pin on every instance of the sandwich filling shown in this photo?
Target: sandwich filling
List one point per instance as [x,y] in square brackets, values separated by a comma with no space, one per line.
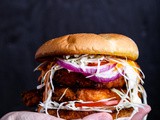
[101,70]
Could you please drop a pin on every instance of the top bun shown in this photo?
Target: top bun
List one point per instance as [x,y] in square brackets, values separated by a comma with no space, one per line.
[88,43]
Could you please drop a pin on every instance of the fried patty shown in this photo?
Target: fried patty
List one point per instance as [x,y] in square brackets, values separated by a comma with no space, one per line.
[33,97]
[84,94]
[65,78]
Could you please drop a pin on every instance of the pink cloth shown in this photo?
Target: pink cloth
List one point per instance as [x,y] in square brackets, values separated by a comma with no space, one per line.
[23,115]
[142,113]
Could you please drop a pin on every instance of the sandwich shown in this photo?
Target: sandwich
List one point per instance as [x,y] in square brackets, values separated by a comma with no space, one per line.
[87,73]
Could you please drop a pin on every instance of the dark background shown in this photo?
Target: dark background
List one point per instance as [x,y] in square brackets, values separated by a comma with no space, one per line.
[26,24]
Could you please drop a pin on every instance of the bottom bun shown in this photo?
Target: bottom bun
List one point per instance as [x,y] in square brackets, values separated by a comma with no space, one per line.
[69,114]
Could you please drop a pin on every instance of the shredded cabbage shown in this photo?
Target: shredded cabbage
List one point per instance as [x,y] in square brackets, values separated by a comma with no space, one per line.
[63,94]
[129,99]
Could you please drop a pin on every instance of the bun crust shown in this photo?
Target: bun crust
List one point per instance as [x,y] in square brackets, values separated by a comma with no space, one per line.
[88,43]
[69,115]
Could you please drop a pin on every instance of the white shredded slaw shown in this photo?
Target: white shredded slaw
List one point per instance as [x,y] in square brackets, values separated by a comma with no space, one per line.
[129,99]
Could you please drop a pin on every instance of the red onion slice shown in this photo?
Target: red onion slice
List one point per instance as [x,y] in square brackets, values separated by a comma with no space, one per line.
[68,65]
[84,69]
[107,78]
[106,71]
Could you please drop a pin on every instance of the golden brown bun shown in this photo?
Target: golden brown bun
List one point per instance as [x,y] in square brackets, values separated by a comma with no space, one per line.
[88,43]
[68,114]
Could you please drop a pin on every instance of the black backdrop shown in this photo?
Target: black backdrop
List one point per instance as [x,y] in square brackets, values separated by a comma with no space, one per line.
[26,24]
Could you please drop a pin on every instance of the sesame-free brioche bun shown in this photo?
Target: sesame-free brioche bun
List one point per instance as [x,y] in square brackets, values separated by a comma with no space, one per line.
[69,114]
[89,43]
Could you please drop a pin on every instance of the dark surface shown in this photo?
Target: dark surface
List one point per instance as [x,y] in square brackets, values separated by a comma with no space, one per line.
[26,24]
